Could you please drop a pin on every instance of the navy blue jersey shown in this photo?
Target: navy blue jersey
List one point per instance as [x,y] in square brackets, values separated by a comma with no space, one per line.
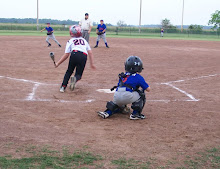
[49,29]
[101,27]
[135,81]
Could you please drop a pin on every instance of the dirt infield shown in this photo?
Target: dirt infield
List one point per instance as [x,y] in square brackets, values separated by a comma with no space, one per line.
[182,110]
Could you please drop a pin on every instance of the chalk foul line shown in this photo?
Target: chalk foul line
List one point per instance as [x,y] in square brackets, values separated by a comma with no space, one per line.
[31,96]
[182,91]
[190,96]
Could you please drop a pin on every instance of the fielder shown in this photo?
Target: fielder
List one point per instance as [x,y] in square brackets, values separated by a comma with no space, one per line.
[50,35]
[101,32]
[127,91]
[161,32]
[86,25]
[78,49]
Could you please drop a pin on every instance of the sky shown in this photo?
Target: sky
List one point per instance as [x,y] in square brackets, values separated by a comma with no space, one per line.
[111,11]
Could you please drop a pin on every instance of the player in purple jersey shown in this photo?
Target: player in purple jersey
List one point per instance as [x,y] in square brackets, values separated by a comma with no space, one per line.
[101,32]
[161,32]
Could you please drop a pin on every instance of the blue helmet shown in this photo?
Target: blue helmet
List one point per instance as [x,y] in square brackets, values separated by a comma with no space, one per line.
[133,64]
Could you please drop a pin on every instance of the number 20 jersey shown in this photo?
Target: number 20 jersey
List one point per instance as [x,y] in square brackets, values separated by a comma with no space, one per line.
[79,44]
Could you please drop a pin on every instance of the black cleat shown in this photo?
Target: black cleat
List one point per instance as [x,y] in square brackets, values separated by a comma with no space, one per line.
[49,45]
[137,116]
[59,45]
[107,46]
[95,46]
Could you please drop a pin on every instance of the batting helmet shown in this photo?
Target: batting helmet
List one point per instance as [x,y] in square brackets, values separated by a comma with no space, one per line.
[133,64]
[75,31]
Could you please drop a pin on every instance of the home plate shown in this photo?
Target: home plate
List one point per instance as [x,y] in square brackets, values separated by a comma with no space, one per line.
[105,91]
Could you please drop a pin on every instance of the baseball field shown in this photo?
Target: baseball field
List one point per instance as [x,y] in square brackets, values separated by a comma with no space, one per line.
[37,122]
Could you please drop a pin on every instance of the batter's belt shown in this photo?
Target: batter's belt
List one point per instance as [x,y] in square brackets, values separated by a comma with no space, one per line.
[80,52]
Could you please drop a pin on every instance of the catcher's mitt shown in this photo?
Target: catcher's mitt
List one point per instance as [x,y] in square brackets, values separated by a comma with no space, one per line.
[49,33]
[99,33]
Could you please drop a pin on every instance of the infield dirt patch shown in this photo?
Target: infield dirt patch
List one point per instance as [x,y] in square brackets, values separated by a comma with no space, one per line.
[34,112]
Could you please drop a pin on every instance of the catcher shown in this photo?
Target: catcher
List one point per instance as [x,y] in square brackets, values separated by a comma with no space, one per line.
[127,91]
[50,35]
[101,32]
[77,48]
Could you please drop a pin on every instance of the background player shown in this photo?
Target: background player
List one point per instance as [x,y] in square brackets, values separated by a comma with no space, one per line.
[101,32]
[86,25]
[161,32]
[127,91]
[50,35]
[78,49]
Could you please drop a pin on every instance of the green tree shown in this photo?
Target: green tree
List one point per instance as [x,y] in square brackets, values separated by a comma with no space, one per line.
[215,20]
[121,23]
[165,23]
[195,28]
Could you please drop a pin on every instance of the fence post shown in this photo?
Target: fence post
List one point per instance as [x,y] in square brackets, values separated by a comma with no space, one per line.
[116,30]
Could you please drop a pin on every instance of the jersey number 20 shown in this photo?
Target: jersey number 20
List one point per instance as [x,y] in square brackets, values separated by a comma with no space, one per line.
[78,42]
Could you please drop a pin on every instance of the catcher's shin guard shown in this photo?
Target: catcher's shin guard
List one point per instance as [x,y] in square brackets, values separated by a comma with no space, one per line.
[111,106]
[139,104]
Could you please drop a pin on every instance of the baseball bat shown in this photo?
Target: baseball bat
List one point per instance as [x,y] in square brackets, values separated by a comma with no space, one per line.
[52,57]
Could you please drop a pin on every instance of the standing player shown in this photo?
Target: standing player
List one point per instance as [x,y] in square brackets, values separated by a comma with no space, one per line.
[127,91]
[86,25]
[161,32]
[101,32]
[50,35]
[78,49]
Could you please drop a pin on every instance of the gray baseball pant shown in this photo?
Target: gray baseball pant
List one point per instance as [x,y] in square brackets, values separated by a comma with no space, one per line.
[53,38]
[85,35]
[123,97]
[103,36]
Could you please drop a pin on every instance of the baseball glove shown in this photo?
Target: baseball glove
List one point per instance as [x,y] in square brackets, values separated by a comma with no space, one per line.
[49,33]
[99,33]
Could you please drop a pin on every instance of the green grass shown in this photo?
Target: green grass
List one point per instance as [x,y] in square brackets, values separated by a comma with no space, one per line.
[120,35]
[45,157]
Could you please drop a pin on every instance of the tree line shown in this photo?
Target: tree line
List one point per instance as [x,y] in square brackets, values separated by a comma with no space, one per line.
[41,21]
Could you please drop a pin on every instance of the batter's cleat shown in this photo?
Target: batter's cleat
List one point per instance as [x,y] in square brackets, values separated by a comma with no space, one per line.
[62,89]
[107,46]
[49,45]
[72,83]
[95,46]
[59,45]
[104,115]
[137,116]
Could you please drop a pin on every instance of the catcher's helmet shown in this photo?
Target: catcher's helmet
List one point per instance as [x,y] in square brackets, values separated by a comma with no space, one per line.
[133,64]
[75,31]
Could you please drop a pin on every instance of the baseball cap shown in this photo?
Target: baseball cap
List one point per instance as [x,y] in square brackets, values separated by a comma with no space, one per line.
[101,20]
[86,14]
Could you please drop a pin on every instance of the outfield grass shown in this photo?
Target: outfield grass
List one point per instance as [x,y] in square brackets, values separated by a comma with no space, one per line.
[120,35]
[44,157]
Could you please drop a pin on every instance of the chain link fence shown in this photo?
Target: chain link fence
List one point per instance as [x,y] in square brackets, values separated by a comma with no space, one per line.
[122,31]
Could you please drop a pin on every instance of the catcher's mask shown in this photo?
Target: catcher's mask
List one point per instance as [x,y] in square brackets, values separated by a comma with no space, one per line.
[75,31]
[133,64]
